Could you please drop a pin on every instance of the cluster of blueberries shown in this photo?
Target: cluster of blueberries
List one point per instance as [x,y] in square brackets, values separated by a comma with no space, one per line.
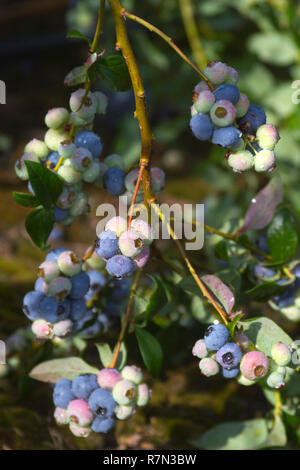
[93,402]
[61,302]
[216,352]
[225,117]
[124,249]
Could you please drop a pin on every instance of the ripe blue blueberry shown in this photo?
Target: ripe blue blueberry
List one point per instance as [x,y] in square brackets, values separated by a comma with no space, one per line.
[253,119]
[97,281]
[59,214]
[227,92]
[263,272]
[226,136]
[102,403]
[48,309]
[230,373]
[216,336]
[40,285]
[107,244]
[113,181]
[89,140]
[287,298]
[80,285]
[120,266]
[62,393]
[53,158]
[201,126]
[84,385]
[121,288]
[102,425]
[229,355]
[78,309]
[31,304]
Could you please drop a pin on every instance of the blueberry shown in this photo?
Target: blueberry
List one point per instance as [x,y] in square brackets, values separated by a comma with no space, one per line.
[254,365]
[41,329]
[226,136]
[143,394]
[62,393]
[253,119]
[227,92]
[78,309]
[281,354]
[107,244]
[38,147]
[121,288]
[263,272]
[84,385]
[204,101]
[64,309]
[241,161]
[276,380]
[263,244]
[132,373]
[120,266]
[48,271]
[79,412]
[116,224]
[62,328]
[57,117]
[97,281]
[40,285]
[267,136]
[222,113]
[60,287]
[242,105]
[81,159]
[216,72]
[230,373]
[89,140]
[48,309]
[59,214]
[54,254]
[124,392]
[131,243]
[69,263]
[287,298]
[80,285]
[107,378]
[216,336]
[209,366]
[102,403]
[296,271]
[102,425]
[31,304]
[264,160]
[229,355]
[201,126]
[61,416]
[53,158]
[113,181]
[199,349]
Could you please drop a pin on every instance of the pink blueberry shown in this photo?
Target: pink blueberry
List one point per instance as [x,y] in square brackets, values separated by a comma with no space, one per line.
[216,72]
[107,378]
[79,412]
[242,105]
[204,101]
[209,366]
[79,431]
[254,365]
[199,350]
[241,161]
[223,113]
[41,329]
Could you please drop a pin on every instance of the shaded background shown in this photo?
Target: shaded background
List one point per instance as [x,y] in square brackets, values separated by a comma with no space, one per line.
[261,39]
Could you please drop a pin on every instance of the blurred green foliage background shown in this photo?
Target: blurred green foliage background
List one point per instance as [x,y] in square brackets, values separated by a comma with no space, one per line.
[261,39]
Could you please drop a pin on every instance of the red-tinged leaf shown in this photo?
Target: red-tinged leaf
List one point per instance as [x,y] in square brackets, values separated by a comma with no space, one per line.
[222,292]
[263,205]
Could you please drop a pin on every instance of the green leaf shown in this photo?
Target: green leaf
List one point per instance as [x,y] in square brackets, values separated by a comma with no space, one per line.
[201,312]
[105,353]
[47,186]
[122,357]
[26,200]
[243,435]
[55,369]
[282,236]
[114,70]
[274,47]
[277,436]
[39,224]
[158,298]
[232,325]
[150,349]
[76,76]
[75,34]
[263,333]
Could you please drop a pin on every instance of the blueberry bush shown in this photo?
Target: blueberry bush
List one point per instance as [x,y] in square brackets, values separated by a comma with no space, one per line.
[106,322]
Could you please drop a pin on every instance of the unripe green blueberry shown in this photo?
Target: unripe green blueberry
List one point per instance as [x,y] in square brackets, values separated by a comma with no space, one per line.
[69,174]
[158,178]
[79,431]
[79,412]
[92,172]
[267,136]
[209,366]
[38,147]
[254,365]
[54,137]
[281,354]
[20,167]
[57,117]
[201,86]
[66,148]
[124,392]
[61,416]
[62,328]
[276,380]
[242,380]
[123,412]
[242,105]
[223,113]
[81,159]
[241,161]
[144,229]
[204,101]
[132,373]
[79,122]
[108,378]
[94,261]
[199,350]
[48,270]
[80,205]
[102,102]
[131,243]
[216,72]
[193,111]
[264,160]
[41,329]
[99,180]
[117,224]
[143,395]
[69,263]
[84,104]
[60,287]
[232,76]
[114,160]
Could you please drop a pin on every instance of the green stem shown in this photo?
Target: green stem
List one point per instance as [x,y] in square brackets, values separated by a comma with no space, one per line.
[192,33]
[99,27]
